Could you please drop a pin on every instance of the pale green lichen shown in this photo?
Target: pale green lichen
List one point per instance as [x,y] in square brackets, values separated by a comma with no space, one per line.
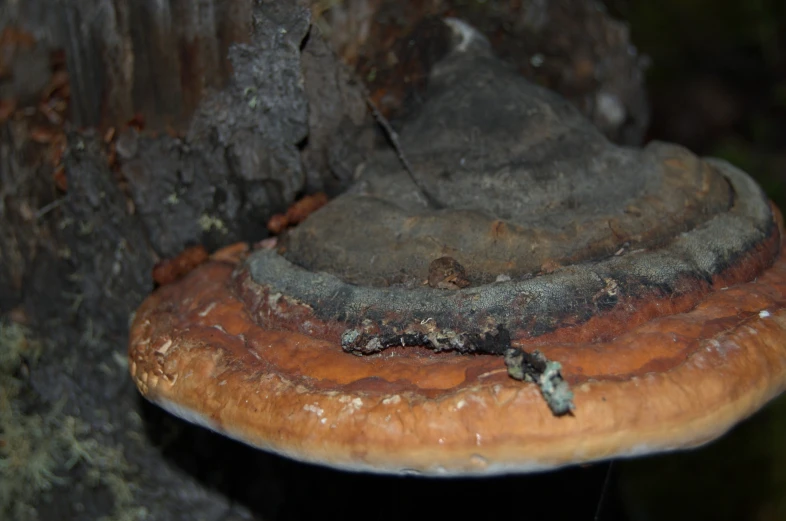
[555,389]
[39,448]
[536,368]
[209,222]
[15,346]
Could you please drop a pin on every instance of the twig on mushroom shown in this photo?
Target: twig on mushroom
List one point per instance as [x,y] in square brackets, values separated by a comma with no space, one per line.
[536,368]
[393,138]
[529,367]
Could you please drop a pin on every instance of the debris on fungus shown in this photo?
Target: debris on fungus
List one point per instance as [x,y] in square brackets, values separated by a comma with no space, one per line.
[169,270]
[521,365]
[296,213]
[535,368]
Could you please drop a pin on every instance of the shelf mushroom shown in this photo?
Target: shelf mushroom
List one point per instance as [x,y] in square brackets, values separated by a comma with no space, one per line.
[525,296]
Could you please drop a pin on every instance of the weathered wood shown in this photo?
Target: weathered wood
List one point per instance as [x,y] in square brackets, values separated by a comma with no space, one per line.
[127,57]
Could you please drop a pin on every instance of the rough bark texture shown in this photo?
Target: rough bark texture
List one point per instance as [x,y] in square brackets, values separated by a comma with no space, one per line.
[227,143]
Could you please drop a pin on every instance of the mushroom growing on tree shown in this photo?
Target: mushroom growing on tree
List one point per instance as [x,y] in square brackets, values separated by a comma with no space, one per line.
[638,293]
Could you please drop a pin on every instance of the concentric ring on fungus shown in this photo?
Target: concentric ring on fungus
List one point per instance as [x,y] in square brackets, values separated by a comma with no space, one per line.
[653,277]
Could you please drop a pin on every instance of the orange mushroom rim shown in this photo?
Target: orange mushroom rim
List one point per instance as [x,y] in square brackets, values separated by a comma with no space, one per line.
[229,347]
[724,336]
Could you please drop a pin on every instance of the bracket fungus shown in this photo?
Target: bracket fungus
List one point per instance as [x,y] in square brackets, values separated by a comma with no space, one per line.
[640,291]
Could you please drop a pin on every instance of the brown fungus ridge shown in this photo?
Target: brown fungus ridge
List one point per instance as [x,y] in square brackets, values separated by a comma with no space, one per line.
[515,179]
[667,313]
[588,302]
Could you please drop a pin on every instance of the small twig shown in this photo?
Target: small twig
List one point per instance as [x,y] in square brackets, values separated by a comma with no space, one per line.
[521,365]
[49,207]
[393,138]
[603,492]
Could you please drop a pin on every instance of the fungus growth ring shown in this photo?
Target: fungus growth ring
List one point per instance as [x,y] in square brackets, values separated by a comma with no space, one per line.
[641,292]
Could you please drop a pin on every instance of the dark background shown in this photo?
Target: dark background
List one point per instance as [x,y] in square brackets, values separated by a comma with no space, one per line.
[103,172]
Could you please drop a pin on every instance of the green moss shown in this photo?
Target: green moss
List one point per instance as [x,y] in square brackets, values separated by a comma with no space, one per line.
[15,347]
[41,447]
[27,453]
